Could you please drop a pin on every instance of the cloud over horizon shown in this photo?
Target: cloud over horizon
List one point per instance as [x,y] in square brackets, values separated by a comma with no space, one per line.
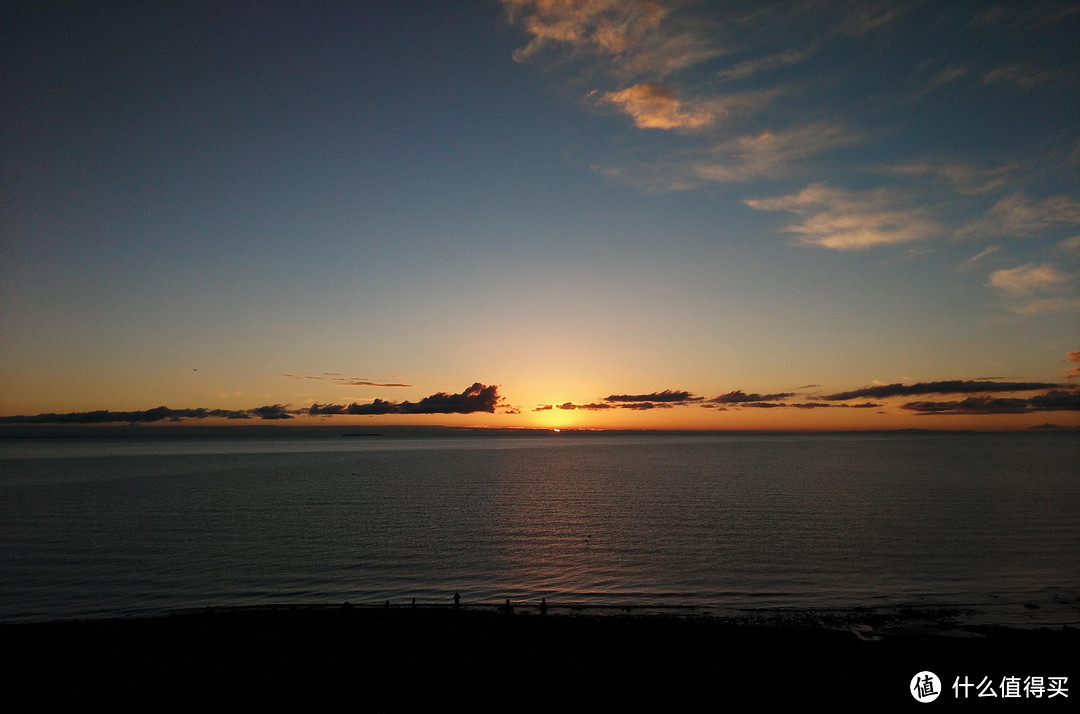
[273,411]
[740,397]
[1053,401]
[481,398]
[477,398]
[954,386]
[668,395]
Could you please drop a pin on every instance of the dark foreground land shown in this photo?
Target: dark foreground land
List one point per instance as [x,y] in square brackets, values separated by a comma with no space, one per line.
[439,659]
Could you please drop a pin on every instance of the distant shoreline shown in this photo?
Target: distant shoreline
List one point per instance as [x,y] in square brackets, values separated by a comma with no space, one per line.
[147,430]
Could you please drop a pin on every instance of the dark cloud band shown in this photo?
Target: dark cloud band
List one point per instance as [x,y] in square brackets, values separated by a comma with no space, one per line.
[477,398]
[944,387]
[666,396]
[1053,401]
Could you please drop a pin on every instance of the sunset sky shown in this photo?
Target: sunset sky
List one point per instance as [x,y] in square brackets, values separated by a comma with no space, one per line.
[603,213]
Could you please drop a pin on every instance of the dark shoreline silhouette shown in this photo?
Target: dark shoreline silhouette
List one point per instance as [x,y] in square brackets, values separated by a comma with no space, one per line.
[378,657]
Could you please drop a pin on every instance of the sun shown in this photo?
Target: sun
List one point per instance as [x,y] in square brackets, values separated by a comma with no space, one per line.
[555,419]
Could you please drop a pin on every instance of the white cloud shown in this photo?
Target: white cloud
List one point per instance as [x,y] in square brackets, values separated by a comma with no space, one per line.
[966,179]
[1019,216]
[848,220]
[1035,289]
[1071,246]
[1027,280]
[770,154]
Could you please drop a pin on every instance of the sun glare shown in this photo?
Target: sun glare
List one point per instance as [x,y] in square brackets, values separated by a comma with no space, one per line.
[554,419]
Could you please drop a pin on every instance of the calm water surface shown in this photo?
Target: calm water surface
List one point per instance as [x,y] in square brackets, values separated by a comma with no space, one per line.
[725,523]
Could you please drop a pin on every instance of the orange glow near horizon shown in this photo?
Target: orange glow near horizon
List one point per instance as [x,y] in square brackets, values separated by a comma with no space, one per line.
[522,409]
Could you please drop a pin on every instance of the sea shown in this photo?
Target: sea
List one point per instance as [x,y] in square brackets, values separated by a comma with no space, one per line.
[134,521]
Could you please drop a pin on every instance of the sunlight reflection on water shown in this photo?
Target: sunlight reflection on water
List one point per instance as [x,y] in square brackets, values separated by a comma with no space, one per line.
[712,521]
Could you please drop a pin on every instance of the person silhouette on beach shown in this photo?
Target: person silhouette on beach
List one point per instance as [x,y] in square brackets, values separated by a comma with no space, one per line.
[508,608]
[457,600]
[543,606]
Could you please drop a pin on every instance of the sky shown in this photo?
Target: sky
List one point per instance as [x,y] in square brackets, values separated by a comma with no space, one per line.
[542,213]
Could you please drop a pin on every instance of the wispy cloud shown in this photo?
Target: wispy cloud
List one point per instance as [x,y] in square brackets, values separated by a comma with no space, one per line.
[848,220]
[634,37]
[1073,372]
[1019,74]
[965,178]
[1025,15]
[654,106]
[347,381]
[945,76]
[1019,216]
[1027,280]
[667,65]
[608,26]
[864,17]
[759,65]
[770,154]
[974,260]
[766,155]
[1043,305]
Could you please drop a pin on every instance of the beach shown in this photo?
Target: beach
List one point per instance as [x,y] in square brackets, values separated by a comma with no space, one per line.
[683,572]
[484,658]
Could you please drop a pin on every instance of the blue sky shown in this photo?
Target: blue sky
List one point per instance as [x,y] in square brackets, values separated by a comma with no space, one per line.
[232,205]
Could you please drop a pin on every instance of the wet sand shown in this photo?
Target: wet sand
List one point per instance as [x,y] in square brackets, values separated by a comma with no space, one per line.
[435,658]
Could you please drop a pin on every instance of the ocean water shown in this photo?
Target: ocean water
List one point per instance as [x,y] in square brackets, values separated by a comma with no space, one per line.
[722,523]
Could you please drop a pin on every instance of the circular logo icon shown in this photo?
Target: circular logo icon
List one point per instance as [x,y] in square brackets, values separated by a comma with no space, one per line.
[925,687]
